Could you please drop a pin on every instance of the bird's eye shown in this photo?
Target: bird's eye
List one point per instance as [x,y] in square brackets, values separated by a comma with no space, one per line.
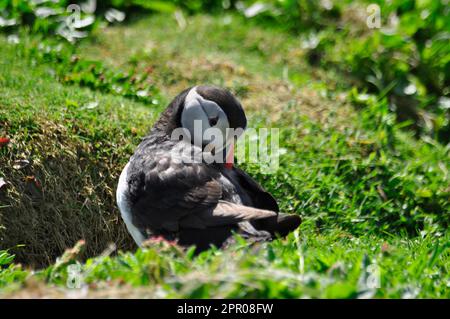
[213,120]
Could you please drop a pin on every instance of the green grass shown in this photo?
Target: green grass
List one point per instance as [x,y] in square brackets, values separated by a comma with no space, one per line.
[76,141]
[225,50]
[369,192]
[310,265]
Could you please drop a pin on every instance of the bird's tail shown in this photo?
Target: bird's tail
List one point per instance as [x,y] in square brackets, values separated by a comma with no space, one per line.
[280,225]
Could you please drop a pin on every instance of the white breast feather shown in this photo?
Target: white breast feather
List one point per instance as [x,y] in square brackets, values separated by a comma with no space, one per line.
[124,207]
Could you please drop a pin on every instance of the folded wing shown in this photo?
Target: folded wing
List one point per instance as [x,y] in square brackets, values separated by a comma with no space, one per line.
[168,195]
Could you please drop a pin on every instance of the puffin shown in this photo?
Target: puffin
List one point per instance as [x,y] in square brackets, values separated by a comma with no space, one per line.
[166,191]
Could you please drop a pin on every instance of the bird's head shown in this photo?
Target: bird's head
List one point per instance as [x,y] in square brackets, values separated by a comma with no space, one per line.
[212,117]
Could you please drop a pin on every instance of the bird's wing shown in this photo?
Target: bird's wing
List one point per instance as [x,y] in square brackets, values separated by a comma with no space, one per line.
[224,213]
[260,197]
[281,224]
[167,195]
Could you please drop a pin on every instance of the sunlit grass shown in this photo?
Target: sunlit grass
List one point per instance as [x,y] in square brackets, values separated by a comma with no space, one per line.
[372,197]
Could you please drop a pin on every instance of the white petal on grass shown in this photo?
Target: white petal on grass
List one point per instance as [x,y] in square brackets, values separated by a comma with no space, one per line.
[281,151]
[227,20]
[13,39]
[90,105]
[444,102]
[310,42]
[410,89]
[117,88]
[326,4]
[255,9]
[411,292]
[7,22]
[142,93]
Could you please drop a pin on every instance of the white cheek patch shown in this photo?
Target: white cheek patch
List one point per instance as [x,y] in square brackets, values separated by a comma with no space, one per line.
[196,122]
[195,117]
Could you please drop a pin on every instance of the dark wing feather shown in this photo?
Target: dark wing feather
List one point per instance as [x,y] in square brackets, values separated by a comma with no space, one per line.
[260,197]
[224,213]
[281,224]
[167,195]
